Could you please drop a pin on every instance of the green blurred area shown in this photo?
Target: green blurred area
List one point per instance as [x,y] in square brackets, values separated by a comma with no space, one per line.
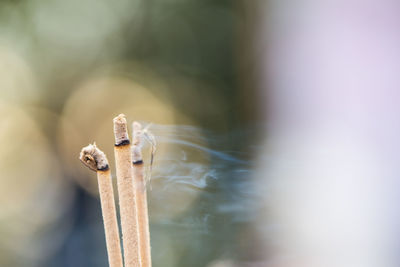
[188,45]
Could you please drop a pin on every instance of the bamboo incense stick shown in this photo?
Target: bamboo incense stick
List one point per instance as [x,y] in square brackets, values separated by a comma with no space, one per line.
[96,160]
[127,202]
[141,196]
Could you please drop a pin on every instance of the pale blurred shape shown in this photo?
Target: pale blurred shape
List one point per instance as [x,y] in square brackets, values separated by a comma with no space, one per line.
[222,263]
[78,25]
[17,83]
[320,195]
[332,70]
[32,192]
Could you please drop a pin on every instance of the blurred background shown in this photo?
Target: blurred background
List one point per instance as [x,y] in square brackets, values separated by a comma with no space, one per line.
[67,68]
[276,126]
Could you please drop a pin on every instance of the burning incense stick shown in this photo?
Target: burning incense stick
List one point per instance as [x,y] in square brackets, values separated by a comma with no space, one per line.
[141,196]
[126,192]
[96,160]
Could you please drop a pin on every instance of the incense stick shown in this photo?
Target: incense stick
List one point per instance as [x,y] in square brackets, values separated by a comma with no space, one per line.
[126,192]
[141,196]
[96,160]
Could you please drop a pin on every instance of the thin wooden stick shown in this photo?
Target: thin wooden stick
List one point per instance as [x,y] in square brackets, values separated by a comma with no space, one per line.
[127,202]
[141,196]
[96,160]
